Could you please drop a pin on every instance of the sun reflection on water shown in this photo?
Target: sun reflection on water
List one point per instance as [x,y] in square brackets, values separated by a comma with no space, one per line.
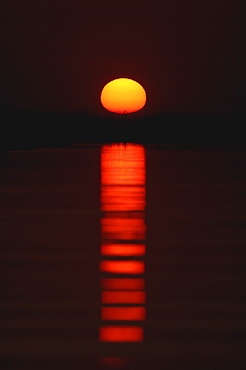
[123,230]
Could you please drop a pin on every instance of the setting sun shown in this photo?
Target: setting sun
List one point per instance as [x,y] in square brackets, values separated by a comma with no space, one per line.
[123,95]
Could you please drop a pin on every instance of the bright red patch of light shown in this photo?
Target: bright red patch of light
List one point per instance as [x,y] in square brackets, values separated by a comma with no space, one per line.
[118,333]
[122,267]
[123,249]
[136,313]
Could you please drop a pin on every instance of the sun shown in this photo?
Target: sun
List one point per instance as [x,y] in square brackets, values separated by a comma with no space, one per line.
[123,95]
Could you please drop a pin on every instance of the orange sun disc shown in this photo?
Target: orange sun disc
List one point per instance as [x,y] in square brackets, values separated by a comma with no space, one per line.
[123,95]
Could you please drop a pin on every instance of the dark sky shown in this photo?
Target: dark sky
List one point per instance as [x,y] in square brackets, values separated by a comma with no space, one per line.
[57,55]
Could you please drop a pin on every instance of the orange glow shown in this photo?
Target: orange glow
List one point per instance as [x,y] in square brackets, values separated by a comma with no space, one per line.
[118,174]
[121,333]
[123,198]
[123,284]
[123,165]
[123,249]
[124,296]
[124,313]
[123,95]
[122,267]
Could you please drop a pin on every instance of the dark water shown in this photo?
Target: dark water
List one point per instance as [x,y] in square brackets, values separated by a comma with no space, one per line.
[191,224]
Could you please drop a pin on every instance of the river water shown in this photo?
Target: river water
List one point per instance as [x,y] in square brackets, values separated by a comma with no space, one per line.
[123,257]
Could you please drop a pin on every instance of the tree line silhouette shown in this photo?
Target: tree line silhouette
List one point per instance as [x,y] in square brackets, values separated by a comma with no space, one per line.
[33,129]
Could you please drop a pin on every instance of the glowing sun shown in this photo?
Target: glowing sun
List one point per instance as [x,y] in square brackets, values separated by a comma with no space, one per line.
[123,95]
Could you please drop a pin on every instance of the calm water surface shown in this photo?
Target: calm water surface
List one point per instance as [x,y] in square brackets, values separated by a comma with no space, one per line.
[123,257]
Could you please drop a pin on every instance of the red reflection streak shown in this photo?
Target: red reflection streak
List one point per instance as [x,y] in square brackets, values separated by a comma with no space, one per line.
[122,267]
[123,222]
[123,296]
[124,313]
[122,249]
[123,165]
[122,284]
[121,334]
[122,225]
[122,198]
[123,228]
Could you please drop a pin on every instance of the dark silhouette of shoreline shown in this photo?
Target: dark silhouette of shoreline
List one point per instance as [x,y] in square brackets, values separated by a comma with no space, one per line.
[33,129]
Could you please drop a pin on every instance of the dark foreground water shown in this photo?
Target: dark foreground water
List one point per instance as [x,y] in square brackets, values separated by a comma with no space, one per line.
[123,257]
